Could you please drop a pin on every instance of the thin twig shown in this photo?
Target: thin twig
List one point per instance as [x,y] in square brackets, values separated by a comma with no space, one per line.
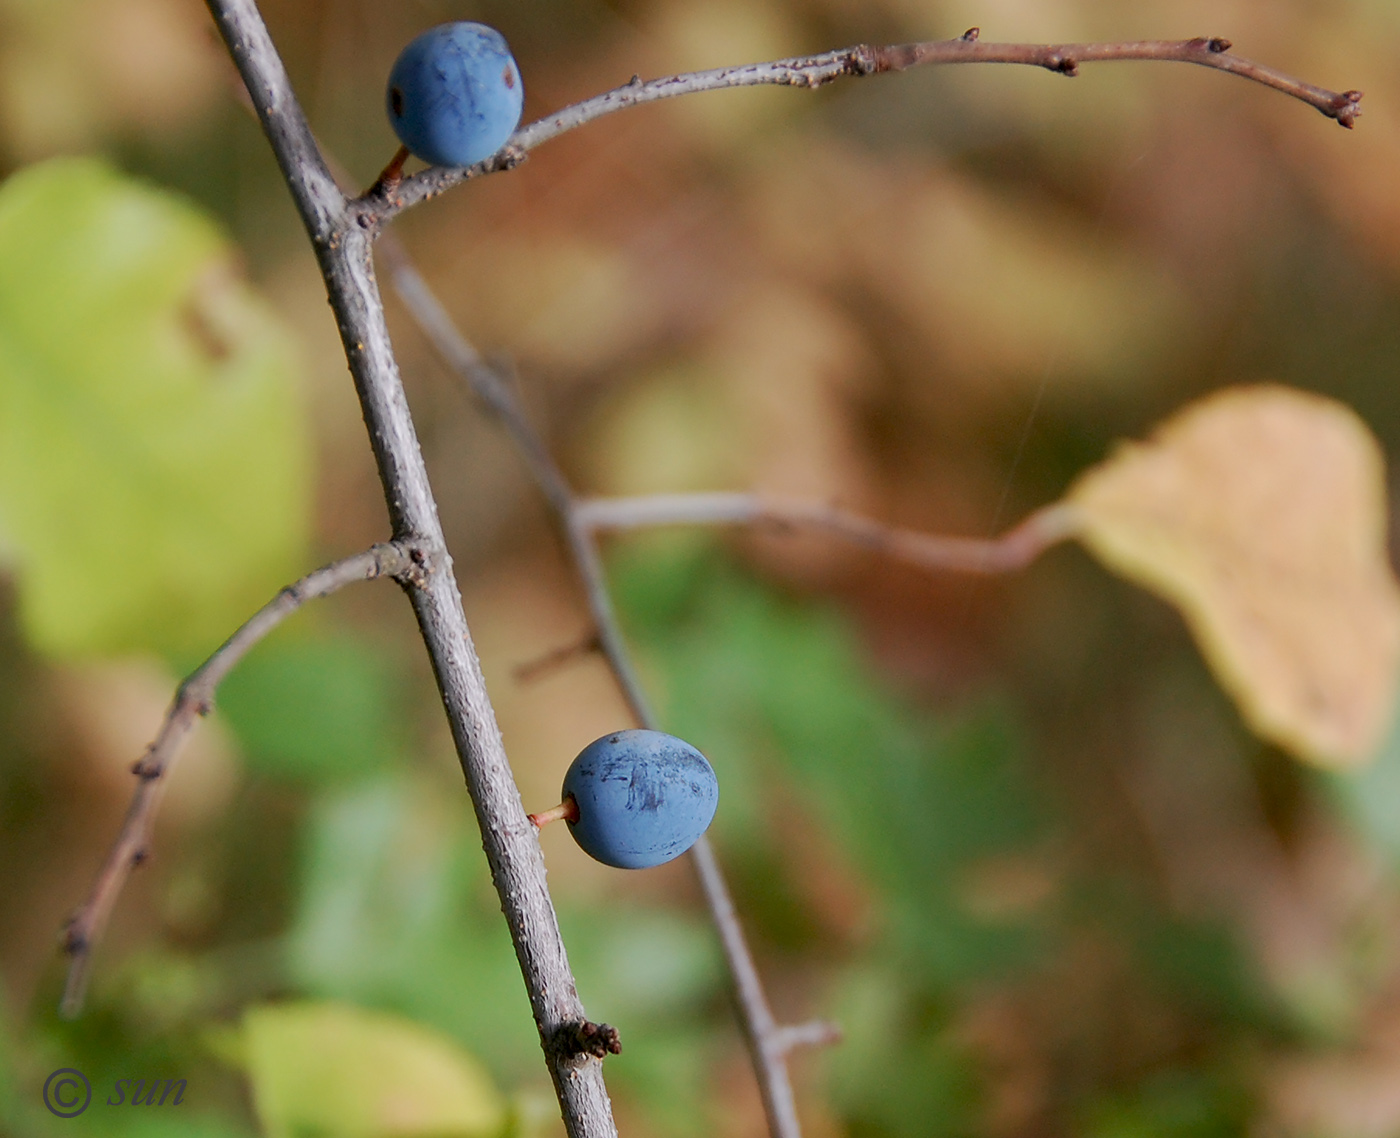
[769,1043]
[383,202]
[1013,550]
[194,700]
[555,658]
[342,244]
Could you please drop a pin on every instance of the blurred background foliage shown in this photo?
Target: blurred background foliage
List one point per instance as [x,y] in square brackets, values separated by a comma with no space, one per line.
[1010,835]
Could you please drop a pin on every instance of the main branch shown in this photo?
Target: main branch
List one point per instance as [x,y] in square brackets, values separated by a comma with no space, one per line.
[512,847]
[388,198]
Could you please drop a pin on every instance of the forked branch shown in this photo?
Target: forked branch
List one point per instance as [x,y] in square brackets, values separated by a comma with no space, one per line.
[387,199]
[769,1042]
[194,700]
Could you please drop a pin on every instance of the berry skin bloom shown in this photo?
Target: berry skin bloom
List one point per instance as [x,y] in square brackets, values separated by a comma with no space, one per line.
[455,94]
[642,798]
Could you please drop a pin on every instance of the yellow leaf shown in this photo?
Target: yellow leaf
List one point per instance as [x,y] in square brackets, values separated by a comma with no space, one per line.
[343,1072]
[1260,513]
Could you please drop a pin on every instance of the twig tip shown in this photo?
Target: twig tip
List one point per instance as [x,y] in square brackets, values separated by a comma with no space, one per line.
[1346,108]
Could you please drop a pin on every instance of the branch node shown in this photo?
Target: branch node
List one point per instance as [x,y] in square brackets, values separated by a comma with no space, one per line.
[896,57]
[635,81]
[510,156]
[74,942]
[390,176]
[1064,64]
[145,770]
[408,561]
[586,1038]
[139,857]
[418,565]
[863,60]
[970,36]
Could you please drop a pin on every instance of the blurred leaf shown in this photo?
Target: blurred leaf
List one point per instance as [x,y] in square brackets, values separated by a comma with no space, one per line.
[74,71]
[321,708]
[8,1099]
[1171,1104]
[1260,512]
[396,910]
[155,1124]
[675,431]
[1370,796]
[652,973]
[337,1071]
[900,1069]
[756,679]
[153,458]
[997,287]
[643,962]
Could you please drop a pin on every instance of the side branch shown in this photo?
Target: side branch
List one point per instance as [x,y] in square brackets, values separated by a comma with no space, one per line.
[194,700]
[1013,550]
[384,201]
[769,1042]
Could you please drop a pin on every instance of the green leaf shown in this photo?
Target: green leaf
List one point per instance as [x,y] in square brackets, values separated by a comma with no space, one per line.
[154,460]
[653,973]
[396,909]
[154,1124]
[771,689]
[1171,1104]
[1370,795]
[337,1071]
[319,708]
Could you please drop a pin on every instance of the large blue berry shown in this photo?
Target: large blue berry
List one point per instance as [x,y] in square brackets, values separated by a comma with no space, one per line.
[455,94]
[642,798]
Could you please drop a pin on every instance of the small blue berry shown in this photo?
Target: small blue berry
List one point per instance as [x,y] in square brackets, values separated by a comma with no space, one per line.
[455,94]
[642,798]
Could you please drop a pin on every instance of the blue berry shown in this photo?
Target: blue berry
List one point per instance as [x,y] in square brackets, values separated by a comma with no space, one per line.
[455,94]
[643,798]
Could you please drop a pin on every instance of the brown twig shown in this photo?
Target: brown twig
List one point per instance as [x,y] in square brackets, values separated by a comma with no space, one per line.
[769,1042]
[194,700]
[382,203]
[1013,550]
